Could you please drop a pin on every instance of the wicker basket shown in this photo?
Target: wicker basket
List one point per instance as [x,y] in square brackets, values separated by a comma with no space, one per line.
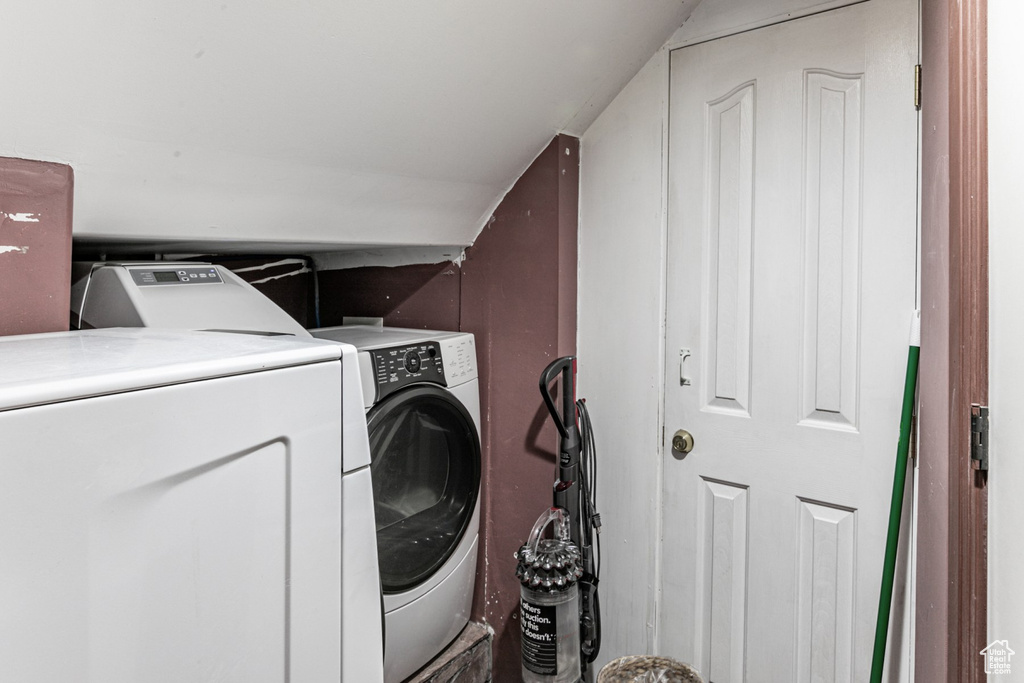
[648,669]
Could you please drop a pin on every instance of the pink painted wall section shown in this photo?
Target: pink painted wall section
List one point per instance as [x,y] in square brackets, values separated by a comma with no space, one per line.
[35,246]
[419,296]
[568,241]
[519,299]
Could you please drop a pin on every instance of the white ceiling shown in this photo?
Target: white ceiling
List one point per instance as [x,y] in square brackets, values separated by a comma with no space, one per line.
[328,124]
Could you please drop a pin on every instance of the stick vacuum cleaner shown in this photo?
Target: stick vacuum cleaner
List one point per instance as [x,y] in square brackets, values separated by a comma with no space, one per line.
[560,571]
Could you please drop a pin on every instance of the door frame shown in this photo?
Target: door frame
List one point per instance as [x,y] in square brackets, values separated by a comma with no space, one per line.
[953,503]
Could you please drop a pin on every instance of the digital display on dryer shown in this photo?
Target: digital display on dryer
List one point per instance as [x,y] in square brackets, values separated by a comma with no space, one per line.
[180,275]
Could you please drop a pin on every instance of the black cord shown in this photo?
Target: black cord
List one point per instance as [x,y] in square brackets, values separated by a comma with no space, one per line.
[591,519]
[590,522]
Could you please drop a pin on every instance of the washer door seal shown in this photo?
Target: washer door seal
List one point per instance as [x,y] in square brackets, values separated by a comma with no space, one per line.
[425,467]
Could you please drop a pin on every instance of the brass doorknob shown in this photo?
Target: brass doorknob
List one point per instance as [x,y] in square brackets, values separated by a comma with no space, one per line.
[682,441]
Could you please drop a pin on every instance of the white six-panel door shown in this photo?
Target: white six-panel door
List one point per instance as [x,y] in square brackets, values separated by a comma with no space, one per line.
[792,270]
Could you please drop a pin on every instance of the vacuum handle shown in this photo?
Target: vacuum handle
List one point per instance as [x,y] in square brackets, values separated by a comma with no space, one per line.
[567,419]
[561,519]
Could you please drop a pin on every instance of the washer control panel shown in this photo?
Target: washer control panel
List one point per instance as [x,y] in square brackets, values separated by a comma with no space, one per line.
[400,366]
[175,275]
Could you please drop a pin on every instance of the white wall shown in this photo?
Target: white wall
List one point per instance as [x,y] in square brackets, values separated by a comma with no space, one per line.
[621,309]
[1006,327]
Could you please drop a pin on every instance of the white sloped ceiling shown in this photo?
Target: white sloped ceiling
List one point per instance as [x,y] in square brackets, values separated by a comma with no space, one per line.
[323,124]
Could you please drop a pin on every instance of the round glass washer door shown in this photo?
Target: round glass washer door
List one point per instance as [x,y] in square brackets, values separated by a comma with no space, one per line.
[425,466]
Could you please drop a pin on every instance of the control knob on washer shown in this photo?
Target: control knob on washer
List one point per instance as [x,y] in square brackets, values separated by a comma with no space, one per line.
[412,362]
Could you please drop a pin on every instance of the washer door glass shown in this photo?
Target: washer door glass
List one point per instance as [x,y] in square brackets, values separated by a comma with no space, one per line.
[425,466]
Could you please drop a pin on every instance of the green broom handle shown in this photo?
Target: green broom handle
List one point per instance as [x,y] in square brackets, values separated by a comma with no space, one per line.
[896,507]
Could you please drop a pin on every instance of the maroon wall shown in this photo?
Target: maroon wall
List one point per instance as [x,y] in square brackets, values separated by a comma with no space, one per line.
[421,296]
[516,291]
[519,299]
[35,246]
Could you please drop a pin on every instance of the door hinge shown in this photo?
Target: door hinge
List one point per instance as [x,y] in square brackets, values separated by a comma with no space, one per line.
[979,437]
[917,87]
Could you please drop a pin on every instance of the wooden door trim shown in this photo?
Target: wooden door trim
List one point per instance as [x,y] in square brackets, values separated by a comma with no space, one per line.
[952,566]
[968,331]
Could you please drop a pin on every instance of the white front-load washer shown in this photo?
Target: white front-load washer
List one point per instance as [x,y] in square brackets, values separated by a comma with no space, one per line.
[422,397]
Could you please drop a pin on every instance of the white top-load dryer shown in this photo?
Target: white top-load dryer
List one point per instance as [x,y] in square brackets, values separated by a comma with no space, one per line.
[171,510]
[422,397]
[203,296]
